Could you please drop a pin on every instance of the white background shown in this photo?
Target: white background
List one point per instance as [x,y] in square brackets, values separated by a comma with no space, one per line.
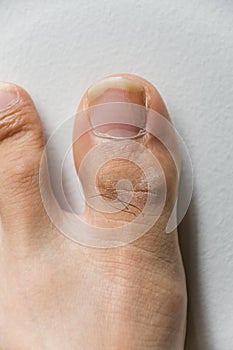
[56,49]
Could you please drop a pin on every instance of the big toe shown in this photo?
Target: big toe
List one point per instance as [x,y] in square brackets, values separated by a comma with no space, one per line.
[125,158]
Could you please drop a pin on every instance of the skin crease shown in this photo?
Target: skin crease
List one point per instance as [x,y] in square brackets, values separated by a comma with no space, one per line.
[56,294]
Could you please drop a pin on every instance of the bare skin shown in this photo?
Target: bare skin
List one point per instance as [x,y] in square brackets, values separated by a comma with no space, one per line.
[57,294]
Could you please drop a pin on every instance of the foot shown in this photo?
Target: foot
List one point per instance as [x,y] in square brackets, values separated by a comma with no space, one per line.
[57,294]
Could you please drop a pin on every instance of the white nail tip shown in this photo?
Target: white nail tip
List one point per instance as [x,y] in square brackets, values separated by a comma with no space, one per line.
[120,83]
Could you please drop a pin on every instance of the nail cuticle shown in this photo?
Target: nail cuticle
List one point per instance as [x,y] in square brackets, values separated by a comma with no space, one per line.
[119,138]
